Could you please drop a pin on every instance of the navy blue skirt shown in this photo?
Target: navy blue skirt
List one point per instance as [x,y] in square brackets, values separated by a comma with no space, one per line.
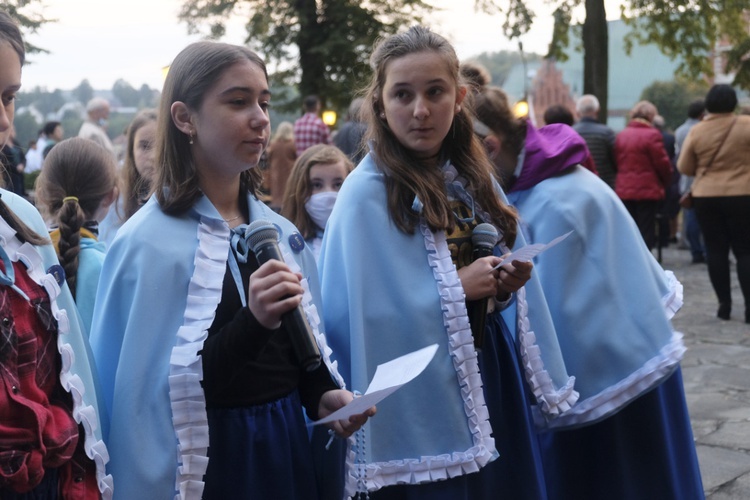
[261,452]
[645,451]
[517,474]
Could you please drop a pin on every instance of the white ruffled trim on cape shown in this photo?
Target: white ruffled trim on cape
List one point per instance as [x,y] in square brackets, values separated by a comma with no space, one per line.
[616,397]
[188,401]
[186,395]
[464,355]
[673,299]
[552,403]
[84,414]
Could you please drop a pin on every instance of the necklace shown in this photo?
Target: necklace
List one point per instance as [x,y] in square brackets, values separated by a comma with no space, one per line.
[233,218]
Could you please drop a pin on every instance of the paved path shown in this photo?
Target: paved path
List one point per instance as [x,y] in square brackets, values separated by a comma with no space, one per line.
[716,371]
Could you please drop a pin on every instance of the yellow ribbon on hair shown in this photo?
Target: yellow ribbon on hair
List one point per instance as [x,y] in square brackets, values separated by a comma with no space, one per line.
[70,198]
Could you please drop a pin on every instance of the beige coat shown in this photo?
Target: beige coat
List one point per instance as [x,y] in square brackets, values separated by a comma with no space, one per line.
[729,174]
[281,157]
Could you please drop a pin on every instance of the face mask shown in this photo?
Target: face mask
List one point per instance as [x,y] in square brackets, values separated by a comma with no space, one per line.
[319,207]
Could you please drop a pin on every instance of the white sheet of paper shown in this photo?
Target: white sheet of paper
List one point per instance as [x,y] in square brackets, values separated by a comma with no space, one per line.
[388,378]
[525,254]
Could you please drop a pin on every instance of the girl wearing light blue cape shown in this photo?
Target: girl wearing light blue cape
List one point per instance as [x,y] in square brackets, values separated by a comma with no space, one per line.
[50,434]
[205,390]
[611,303]
[76,188]
[397,271]
[137,174]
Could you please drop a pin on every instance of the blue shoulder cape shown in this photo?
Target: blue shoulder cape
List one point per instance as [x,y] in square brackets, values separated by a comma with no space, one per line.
[78,374]
[387,293]
[159,289]
[90,261]
[610,300]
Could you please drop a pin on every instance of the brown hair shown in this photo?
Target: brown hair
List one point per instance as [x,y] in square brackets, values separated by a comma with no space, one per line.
[492,109]
[135,188]
[191,74]
[77,175]
[10,34]
[644,110]
[299,189]
[464,150]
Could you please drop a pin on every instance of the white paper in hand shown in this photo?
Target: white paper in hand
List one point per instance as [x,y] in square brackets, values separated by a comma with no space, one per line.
[388,378]
[528,252]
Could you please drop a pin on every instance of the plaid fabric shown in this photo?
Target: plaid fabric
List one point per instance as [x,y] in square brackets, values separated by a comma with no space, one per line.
[37,430]
[310,130]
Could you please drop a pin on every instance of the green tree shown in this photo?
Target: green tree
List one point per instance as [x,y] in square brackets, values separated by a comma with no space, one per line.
[322,45]
[147,96]
[44,101]
[30,17]
[691,29]
[27,128]
[672,98]
[686,28]
[518,21]
[83,92]
[126,94]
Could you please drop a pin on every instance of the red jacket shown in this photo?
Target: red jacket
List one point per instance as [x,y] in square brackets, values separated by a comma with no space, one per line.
[643,167]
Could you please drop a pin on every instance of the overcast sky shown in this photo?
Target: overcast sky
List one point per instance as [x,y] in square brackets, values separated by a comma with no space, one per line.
[103,40]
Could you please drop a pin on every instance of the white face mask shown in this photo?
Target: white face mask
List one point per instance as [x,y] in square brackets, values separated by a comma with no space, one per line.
[319,207]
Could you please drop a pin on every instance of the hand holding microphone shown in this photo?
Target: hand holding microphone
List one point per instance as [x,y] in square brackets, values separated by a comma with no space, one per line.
[276,291]
[483,238]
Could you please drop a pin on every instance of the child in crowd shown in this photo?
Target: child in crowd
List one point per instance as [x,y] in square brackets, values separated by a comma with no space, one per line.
[631,437]
[50,434]
[137,174]
[397,272]
[198,368]
[75,189]
[312,188]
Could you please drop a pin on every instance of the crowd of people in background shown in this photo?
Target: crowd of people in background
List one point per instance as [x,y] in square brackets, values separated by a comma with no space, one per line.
[165,360]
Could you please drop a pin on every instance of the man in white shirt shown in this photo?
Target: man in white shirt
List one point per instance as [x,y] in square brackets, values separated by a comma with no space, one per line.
[94,128]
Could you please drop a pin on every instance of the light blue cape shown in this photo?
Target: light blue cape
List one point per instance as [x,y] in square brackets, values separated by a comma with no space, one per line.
[90,261]
[609,298]
[387,293]
[78,375]
[159,289]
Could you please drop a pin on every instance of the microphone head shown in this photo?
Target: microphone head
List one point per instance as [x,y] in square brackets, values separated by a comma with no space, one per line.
[260,232]
[484,235]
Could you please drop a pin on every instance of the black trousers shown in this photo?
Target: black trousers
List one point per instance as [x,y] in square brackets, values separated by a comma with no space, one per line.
[644,213]
[725,224]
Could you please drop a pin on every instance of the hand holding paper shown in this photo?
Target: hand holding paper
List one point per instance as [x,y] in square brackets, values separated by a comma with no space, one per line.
[388,378]
[530,251]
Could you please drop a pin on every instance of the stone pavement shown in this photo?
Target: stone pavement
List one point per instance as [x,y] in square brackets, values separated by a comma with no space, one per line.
[716,372]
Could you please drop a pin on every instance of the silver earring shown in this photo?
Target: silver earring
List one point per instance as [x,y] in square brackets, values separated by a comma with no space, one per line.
[382,115]
[190,135]
[458,108]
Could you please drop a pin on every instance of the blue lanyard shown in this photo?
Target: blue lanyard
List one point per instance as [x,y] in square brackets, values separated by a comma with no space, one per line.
[8,277]
[238,255]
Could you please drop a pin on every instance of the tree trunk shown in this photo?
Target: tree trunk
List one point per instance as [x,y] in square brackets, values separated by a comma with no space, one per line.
[596,55]
[311,61]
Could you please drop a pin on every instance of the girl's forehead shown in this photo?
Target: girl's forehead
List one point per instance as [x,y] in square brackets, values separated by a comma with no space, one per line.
[423,65]
[10,66]
[332,166]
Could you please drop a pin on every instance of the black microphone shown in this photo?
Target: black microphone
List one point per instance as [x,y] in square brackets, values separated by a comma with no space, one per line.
[483,238]
[262,237]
